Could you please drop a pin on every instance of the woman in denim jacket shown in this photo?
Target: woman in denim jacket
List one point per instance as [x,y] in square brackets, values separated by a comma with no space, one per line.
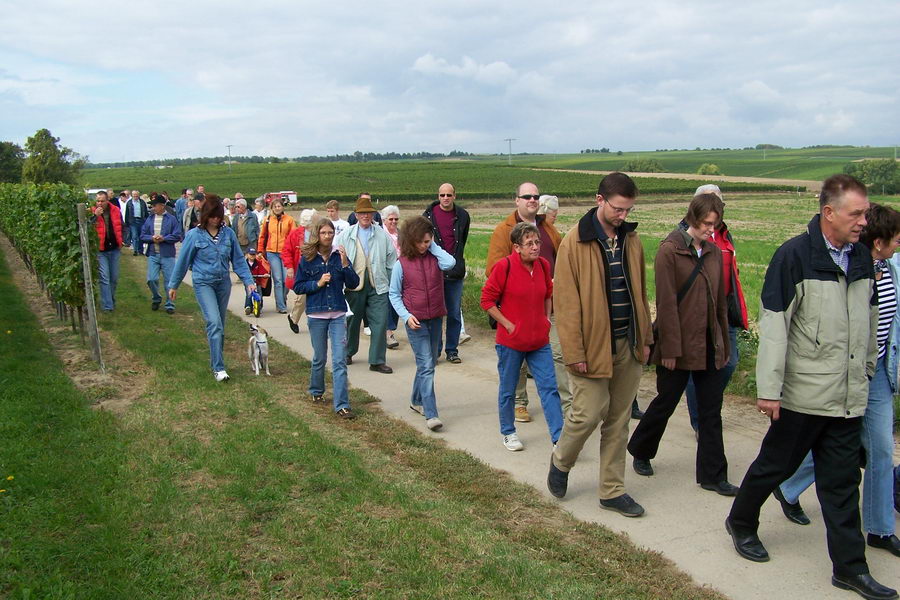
[207,251]
[322,274]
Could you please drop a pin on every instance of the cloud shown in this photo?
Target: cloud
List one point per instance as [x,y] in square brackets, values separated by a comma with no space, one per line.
[494,73]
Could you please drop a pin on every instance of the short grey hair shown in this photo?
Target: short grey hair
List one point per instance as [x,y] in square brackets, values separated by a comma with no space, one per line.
[709,188]
[240,202]
[306,217]
[390,209]
[547,202]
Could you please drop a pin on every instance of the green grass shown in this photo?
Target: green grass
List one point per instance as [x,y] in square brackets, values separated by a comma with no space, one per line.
[203,490]
[388,181]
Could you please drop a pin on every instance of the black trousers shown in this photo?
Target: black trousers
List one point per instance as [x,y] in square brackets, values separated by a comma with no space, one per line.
[835,443]
[711,466]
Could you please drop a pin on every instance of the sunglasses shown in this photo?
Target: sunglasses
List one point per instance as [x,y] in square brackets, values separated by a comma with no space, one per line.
[445,195]
[530,197]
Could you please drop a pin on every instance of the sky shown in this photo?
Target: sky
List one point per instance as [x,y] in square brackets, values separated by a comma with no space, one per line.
[119,81]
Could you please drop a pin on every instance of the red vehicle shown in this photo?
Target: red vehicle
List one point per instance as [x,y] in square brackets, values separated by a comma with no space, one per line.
[288,197]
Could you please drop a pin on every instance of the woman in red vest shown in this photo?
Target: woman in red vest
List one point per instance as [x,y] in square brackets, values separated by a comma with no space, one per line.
[417,294]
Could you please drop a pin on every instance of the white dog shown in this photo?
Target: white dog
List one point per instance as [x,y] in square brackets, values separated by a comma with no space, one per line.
[258,349]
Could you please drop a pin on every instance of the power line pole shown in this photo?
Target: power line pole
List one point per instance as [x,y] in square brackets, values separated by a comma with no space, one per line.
[510,141]
[229,158]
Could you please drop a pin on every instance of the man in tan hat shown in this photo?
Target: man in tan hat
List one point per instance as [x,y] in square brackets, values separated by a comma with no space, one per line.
[372,254]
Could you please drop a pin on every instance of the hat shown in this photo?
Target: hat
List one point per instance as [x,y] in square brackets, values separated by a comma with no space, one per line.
[364,205]
[158,200]
[252,251]
[145,197]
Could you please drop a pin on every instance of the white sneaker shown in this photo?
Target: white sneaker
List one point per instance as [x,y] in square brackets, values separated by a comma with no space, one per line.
[513,443]
[367,331]
[417,408]
[221,376]
[463,338]
[433,423]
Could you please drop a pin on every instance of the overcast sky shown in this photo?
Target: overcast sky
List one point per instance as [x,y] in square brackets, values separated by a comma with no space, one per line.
[142,80]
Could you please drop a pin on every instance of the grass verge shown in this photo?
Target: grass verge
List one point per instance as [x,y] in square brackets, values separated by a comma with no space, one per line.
[203,490]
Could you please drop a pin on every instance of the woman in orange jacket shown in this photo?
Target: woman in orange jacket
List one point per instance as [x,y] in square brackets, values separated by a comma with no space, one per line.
[272,235]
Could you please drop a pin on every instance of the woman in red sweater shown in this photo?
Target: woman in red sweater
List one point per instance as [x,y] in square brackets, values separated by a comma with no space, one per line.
[517,295]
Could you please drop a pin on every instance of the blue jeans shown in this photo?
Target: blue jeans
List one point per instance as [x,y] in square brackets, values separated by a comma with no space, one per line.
[278,275]
[727,372]
[135,228]
[540,362]
[108,267]
[213,300]
[453,289]
[878,440]
[393,318]
[425,342]
[320,332]
[155,264]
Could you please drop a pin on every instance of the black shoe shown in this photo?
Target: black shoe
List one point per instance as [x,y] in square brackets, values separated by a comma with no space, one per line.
[453,358]
[864,585]
[747,544]
[623,504]
[346,413]
[318,398]
[382,368]
[349,360]
[886,542]
[793,512]
[155,306]
[636,412]
[294,327]
[722,488]
[557,480]
[642,467]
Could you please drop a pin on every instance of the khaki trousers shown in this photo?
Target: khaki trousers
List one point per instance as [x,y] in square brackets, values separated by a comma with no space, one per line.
[607,403]
[298,307]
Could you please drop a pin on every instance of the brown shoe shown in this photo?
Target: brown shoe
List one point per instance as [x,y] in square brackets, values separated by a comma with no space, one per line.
[522,415]
[346,413]
[382,368]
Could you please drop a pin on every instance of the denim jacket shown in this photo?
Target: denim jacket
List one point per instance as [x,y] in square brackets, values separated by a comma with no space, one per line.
[892,354]
[330,297]
[207,260]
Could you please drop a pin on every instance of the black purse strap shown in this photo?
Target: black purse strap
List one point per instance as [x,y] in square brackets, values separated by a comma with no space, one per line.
[690,280]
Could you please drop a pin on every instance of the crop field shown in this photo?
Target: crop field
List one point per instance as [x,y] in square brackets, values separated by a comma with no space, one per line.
[390,182]
[812,163]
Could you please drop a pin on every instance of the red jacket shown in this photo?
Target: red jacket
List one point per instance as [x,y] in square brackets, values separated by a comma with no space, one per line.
[521,297]
[115,215]
[290,253]
[734,291]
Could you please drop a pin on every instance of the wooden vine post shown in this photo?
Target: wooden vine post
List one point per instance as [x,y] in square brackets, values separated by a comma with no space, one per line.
[93,331]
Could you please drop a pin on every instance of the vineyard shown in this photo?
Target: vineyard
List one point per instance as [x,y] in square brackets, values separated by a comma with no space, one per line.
[387,181]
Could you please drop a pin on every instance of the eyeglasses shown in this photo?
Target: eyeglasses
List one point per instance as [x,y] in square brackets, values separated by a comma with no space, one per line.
[445,195]
[530,197]
[619,211]
[530,244]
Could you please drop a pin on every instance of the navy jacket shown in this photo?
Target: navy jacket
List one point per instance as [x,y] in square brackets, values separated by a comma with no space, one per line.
[330,297]
[171,232]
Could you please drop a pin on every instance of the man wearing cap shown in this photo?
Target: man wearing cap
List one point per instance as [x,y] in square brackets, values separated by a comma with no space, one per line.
[372,254]
[450,223]
[135,213]
[160,232]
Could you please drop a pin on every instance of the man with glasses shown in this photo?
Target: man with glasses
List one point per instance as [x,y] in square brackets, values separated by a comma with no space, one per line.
[451,231]
[605,331]
[527,204]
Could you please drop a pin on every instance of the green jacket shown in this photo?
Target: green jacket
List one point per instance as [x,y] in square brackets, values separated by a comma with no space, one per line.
[817,345]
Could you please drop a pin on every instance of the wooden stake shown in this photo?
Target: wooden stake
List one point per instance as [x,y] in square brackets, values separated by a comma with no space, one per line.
[93,331]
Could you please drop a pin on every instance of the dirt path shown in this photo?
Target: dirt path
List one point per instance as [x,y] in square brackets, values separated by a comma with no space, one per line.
[682,521]
[812,186]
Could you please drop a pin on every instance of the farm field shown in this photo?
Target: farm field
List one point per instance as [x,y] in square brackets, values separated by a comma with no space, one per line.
[811,163]
[390,182]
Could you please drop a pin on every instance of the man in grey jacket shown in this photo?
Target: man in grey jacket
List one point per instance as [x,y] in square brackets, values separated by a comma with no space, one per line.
[817,351]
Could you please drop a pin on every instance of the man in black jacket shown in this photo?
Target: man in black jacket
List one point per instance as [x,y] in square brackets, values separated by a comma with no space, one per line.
[451,230]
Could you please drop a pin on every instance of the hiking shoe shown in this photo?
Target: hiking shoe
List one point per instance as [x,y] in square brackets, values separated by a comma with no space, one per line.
[392,342]
[248,310]
[433,423]
[221,376]
[155,306]
[557,480]
[522,415]
[294,327]
[642,467]
[417,408]
[346,413]
[453,358]
[318,398]
[624,505]
[464,337]
[513,443]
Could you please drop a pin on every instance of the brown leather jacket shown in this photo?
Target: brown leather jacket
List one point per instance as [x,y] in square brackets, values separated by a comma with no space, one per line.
[500,245]
[702,315]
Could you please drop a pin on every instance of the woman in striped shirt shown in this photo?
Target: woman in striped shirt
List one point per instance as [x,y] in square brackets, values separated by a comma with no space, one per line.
[882,236]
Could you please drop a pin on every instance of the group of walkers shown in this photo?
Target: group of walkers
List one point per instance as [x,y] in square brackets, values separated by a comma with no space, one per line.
[573,313]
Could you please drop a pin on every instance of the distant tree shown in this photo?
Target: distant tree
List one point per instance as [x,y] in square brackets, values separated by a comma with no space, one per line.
[11,158]
[47,162]
[769,147]
[643,165]
[709,169]
[882,175]
[619,153]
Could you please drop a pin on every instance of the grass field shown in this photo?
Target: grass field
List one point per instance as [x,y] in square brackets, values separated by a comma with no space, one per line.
[199,490]
[813,163]
[390,182]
